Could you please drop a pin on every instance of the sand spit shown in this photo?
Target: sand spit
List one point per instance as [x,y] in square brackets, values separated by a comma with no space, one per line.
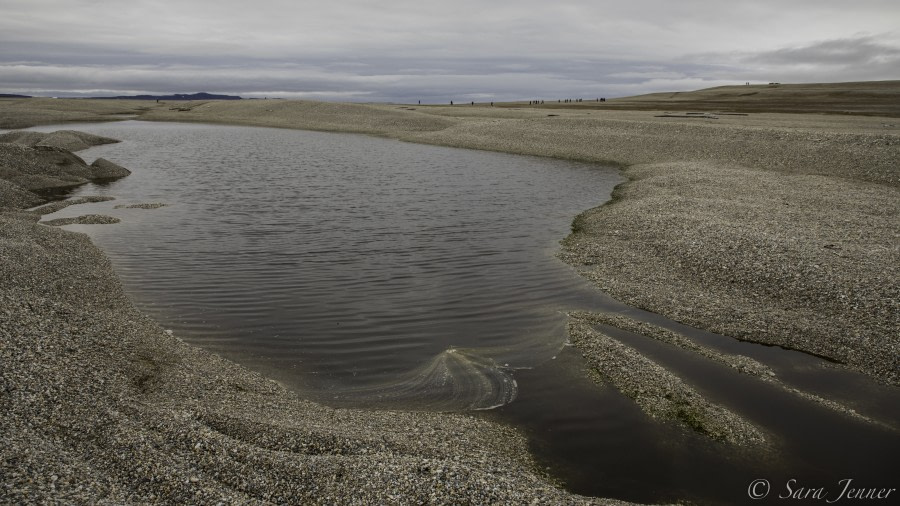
[24,113]
[337,117]
[87,219]
[147,205]
[739,363]
[660,393]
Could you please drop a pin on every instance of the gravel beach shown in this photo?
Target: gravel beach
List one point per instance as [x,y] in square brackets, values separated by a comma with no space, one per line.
[100,404]
[774,228]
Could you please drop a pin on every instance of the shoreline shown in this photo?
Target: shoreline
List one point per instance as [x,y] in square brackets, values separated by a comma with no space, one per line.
[772,175]
[100,402]
[190,391]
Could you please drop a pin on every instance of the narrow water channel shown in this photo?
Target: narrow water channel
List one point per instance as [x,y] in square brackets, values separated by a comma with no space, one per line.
[366,272]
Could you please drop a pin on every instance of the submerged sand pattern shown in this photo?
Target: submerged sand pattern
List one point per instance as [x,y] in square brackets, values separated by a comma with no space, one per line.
[455,380]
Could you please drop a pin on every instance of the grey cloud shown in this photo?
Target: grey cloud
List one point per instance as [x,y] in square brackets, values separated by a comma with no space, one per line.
[426,49]
[861,58]
[857,51]
[376,79]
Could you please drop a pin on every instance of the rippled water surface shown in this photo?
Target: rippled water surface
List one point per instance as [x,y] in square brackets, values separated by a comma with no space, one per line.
[356,269]
[373,273]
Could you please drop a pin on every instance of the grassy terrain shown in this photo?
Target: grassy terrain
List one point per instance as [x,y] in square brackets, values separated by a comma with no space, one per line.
[875,98]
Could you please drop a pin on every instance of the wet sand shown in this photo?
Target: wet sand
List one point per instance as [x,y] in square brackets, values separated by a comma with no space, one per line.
[774,228]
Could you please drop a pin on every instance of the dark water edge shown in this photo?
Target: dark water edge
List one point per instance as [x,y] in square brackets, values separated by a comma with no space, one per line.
[590,437]
[57,193]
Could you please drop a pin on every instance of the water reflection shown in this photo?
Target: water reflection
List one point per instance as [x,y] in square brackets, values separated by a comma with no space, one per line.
[347,265]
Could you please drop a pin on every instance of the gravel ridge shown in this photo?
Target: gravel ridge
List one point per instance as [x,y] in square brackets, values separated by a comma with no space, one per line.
[740,363]
[660,393]
[70,140]
[87,219]
[33,161]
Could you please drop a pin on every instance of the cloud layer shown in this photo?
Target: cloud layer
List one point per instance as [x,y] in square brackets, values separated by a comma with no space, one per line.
[437,51]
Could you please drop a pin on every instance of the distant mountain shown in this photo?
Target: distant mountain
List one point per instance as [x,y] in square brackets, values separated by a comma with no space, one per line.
[177,96]
[7,95]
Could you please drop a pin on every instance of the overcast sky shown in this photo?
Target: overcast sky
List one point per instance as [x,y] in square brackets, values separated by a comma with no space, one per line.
[436,51]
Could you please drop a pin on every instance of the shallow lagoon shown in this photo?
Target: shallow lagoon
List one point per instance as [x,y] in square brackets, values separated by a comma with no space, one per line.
[373,273]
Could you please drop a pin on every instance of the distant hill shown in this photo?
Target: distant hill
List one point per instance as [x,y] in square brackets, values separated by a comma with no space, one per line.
[177,96]
[878,98]
[873,98]
[8,95]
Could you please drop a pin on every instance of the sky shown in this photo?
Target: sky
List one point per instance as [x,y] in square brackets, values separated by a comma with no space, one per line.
[437,51]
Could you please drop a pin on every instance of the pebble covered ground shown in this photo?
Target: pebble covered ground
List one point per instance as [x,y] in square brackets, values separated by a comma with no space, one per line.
[86,219]
[807,262]
[37,161]
[71,140]
[779,229]
[144,205]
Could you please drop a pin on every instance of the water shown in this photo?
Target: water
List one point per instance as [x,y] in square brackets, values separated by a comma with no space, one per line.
[373,273]
[358,270]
